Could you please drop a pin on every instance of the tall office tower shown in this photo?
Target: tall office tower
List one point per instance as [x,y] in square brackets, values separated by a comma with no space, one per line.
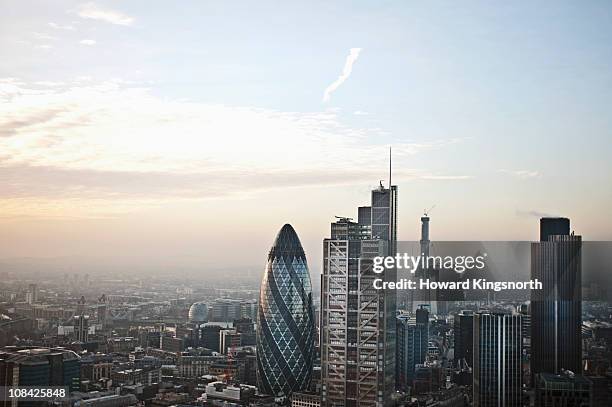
[412,343]
[285,319]
[463,328]
[497,360]
[358,327]
[556,308]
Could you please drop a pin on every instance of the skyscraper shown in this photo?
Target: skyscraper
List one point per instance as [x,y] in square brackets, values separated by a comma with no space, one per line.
[358,327]
[285,319]
[412,343]
[497,360]
[463,329]
[556,308]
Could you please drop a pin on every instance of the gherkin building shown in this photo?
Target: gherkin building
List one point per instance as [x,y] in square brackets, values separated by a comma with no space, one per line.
[285,319]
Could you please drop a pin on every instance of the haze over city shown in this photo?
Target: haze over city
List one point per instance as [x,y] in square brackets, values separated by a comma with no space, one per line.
[135,136]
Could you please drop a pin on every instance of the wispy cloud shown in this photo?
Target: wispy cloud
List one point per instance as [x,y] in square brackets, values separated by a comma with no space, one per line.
[87,42]
[95,12]
[346,72]
[44,36]
[61,27]
[118,144]
[522,173]
[360,113]
[533,214]
[442,177]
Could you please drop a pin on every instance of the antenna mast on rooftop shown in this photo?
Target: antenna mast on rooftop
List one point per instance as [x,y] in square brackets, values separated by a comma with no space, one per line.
[389,167]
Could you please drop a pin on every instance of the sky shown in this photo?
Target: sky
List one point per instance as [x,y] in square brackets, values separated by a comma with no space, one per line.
[154,135]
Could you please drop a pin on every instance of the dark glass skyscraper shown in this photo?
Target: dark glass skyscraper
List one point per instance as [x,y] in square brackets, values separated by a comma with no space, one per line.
[285,319]
[556,309]
[464,339]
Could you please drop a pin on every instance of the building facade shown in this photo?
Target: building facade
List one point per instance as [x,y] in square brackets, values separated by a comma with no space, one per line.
[556,309]
[497,371]
[198,312]
[412,343]
[564,390]
[358,323]
[463,332]
[285,319]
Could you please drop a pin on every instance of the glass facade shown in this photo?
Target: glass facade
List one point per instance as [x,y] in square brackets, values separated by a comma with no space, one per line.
[198,312]
[497,360]
[285,320]
[556,310]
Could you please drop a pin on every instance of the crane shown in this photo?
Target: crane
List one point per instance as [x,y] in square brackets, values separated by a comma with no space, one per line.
[426,211]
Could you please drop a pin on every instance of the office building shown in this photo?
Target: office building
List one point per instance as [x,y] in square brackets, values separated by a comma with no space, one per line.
[556,308]
[463,332]
[358,322]
[209,337]
[36,366]
[411,346]
[305,399]
[497,371]
[228,339]
[198,312]
[563,390]
[285,319]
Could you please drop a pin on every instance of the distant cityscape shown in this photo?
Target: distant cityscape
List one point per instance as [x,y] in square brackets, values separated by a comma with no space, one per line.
[116,341]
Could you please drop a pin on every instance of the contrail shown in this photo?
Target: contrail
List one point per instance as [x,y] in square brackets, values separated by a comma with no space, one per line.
[346,72]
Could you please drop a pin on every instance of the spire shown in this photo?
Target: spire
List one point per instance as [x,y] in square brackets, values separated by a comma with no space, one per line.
[390,167]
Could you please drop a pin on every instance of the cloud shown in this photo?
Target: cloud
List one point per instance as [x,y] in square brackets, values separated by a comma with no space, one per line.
[534,214]
[360,113]
[435,177]
[25,181]
[346,72]
[522,173]
[12,124]
[94,12]
[87,42]
[118,145]
[44,36]
[61,27]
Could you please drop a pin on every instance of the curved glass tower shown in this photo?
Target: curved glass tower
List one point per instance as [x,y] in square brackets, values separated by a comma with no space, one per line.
[285,319]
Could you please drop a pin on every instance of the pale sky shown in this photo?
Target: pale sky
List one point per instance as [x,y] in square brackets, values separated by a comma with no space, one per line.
[187,133]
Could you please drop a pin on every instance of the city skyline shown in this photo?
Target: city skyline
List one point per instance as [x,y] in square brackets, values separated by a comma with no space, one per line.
[200,203]
[133,341]
[143,137]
